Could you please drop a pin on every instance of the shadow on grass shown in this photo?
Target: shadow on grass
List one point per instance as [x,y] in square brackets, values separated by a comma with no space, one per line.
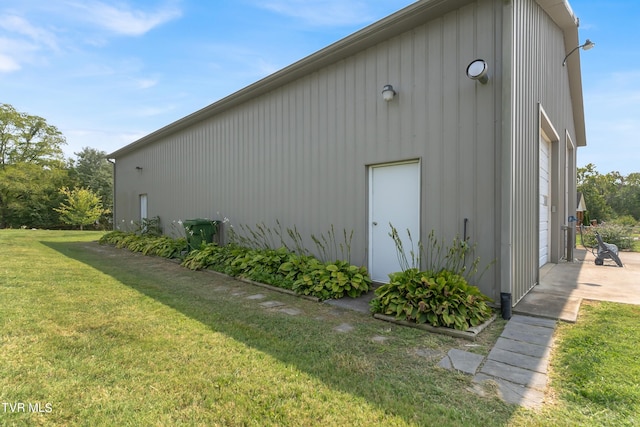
[388,375]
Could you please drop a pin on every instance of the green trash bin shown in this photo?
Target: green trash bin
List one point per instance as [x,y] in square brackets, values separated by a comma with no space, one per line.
[200,231]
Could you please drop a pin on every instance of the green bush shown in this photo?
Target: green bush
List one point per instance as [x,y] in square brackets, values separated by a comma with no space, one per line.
[616,234]
[626,221]
[212,256]
[303,274]
[146,244]
[262,265]
[326,280]
[112,237]
[442,299]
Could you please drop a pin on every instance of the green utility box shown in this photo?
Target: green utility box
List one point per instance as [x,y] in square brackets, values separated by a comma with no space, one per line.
[200,231]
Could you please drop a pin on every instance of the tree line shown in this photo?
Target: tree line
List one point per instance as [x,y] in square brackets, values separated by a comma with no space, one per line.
[39,187]
[610,197]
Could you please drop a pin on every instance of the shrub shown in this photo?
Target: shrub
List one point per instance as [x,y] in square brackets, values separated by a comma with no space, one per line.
[439,295]
[618,235]
[625,221]
[303,274]
[146,244]
[327,280]
[262,266]
[212,256]
[165,246]
[112,237]
[280,267]
[441,299]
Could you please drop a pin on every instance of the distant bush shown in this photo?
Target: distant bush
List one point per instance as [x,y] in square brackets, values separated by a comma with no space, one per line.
[616,234]
[625,221]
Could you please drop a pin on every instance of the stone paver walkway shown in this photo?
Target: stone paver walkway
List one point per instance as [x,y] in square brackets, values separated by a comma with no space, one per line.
[517,363]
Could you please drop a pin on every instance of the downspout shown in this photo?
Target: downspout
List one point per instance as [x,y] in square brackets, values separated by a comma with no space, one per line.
[506,183]
[113,201]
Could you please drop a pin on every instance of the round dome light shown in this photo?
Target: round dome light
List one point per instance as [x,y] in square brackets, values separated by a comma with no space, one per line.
[477,70]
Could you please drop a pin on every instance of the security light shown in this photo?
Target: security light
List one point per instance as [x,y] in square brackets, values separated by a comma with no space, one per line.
[586,46]
[477,70]
[388,93]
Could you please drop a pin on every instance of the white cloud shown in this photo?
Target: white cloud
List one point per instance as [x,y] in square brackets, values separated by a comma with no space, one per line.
[123,19]
[321,12]
[146,83]
[8,64]
[18,25]
[20,41]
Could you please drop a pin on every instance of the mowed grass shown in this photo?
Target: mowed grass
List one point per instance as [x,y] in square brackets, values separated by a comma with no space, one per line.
[596,369]
[99,336]
[95,335]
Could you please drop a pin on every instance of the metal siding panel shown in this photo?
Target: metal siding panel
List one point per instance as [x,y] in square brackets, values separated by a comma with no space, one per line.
[539,79]
[434,137]
[450,161]
[468,140]
[405,70]
[298,154]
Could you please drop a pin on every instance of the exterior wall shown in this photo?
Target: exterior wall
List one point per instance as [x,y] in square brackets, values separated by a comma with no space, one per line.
[539,83]
[300,153]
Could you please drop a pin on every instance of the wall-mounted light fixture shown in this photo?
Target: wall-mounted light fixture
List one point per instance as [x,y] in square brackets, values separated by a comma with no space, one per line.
[139,168]
[477,70]
[388,93]
[586,46]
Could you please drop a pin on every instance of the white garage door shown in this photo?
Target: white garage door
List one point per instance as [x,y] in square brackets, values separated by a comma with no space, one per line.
[545,200]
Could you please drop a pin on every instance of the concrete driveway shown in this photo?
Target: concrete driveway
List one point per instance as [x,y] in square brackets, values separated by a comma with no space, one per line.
[563,286]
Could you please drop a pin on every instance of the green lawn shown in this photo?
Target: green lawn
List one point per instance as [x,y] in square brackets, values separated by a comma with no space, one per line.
[96,336]
[595,370]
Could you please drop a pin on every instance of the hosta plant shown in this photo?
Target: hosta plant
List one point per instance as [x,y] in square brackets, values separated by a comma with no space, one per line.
[328,280]
[280,267]
[146,244]
[443,299]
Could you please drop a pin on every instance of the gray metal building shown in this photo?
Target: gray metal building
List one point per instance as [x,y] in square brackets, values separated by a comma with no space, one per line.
[316,144]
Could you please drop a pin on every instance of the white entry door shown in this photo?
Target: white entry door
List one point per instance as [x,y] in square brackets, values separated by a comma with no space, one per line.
[394,198]
[545,200]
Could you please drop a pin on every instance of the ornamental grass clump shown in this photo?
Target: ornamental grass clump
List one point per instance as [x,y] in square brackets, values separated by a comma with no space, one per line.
[439,295]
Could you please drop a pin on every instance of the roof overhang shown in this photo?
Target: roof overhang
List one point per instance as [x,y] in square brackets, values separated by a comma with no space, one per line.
[393,25]
[561,13]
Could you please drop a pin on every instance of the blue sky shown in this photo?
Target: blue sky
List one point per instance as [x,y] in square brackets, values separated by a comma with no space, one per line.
[109,72]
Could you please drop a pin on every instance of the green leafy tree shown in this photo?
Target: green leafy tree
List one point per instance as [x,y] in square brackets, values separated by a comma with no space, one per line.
[32,169]
[93,171]
[626,200]
[28,139]
[82,207]
[609,196]
[28,193]
[597,190]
